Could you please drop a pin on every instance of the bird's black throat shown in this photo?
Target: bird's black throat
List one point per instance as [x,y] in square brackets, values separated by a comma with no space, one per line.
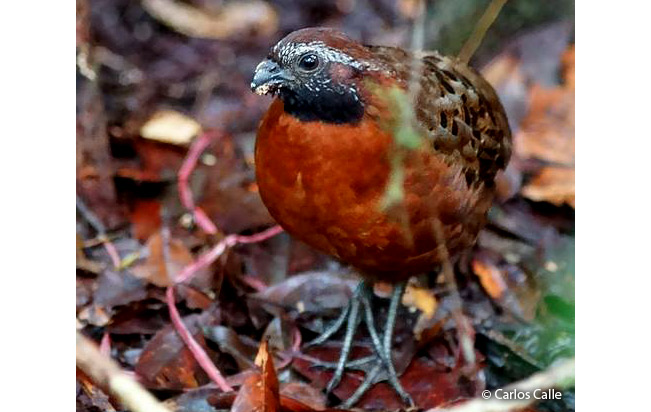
[339,106]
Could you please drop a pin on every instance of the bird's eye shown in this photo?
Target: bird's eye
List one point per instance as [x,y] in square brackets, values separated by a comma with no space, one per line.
[308,62]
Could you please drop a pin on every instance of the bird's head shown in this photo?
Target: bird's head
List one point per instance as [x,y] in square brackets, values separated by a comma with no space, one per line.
[317,74]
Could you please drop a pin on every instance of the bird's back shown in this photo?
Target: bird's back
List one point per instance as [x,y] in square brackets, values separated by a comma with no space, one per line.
[458,111]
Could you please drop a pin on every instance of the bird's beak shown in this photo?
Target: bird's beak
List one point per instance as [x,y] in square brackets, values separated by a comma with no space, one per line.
[268,77]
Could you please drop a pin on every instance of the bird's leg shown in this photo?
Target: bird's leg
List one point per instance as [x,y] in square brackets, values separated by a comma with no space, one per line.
[382,348]
[351,327]
[332,329]
[361,389]
[357,364]
[396,297]
[381,344]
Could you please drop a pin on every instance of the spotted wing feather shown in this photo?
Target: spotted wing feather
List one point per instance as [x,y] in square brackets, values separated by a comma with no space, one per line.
[457,110]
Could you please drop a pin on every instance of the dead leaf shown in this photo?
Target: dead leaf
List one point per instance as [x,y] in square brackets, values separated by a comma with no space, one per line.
[506,283]
[260,392]
[294,397]
[278,334]
[424,380]
[490,278]
[235,17]
[116,288]
[204,399]
[552,184]
[158,270]
[155,162]
[94,315]
[547,132]
[229,342]
[540,112]
[90,397]
[112,288]
[145,218]
[167,363]
[139,318]
[313,292]
[421,299]
[306,394]
[168,126]
[547,135]
[223,190]
[505,74]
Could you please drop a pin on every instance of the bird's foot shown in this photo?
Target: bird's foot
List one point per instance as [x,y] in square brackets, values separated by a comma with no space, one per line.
[382,364]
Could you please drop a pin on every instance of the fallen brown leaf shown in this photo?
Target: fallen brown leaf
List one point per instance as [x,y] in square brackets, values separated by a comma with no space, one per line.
[421,299]
[306,394]
[490,278]
[552,184]
[312,292]
[159,269]
[167,363]
[260,392]
[233,18]
[169,126]
[423,379]
[229,342]
[145,215]
[547,132]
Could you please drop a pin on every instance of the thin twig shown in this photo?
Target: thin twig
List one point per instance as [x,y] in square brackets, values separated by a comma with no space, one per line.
[417,45]
[198,146]
[214,253]
[560,376]
[106,374]
[482,26]
[197,351]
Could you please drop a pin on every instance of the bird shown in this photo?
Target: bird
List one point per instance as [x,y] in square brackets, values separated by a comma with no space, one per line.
[329,147]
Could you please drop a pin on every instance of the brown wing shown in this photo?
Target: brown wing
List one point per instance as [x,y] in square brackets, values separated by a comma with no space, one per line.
[458,110]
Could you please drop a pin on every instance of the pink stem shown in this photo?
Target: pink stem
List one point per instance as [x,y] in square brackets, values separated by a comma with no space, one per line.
[113,253]
[253,283]
[297,340]
[197,351]
[296,345]
[105,345]
[190,162]
[214,253]
[260,236]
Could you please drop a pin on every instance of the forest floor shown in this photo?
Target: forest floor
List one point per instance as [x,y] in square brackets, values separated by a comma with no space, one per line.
[175,246]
